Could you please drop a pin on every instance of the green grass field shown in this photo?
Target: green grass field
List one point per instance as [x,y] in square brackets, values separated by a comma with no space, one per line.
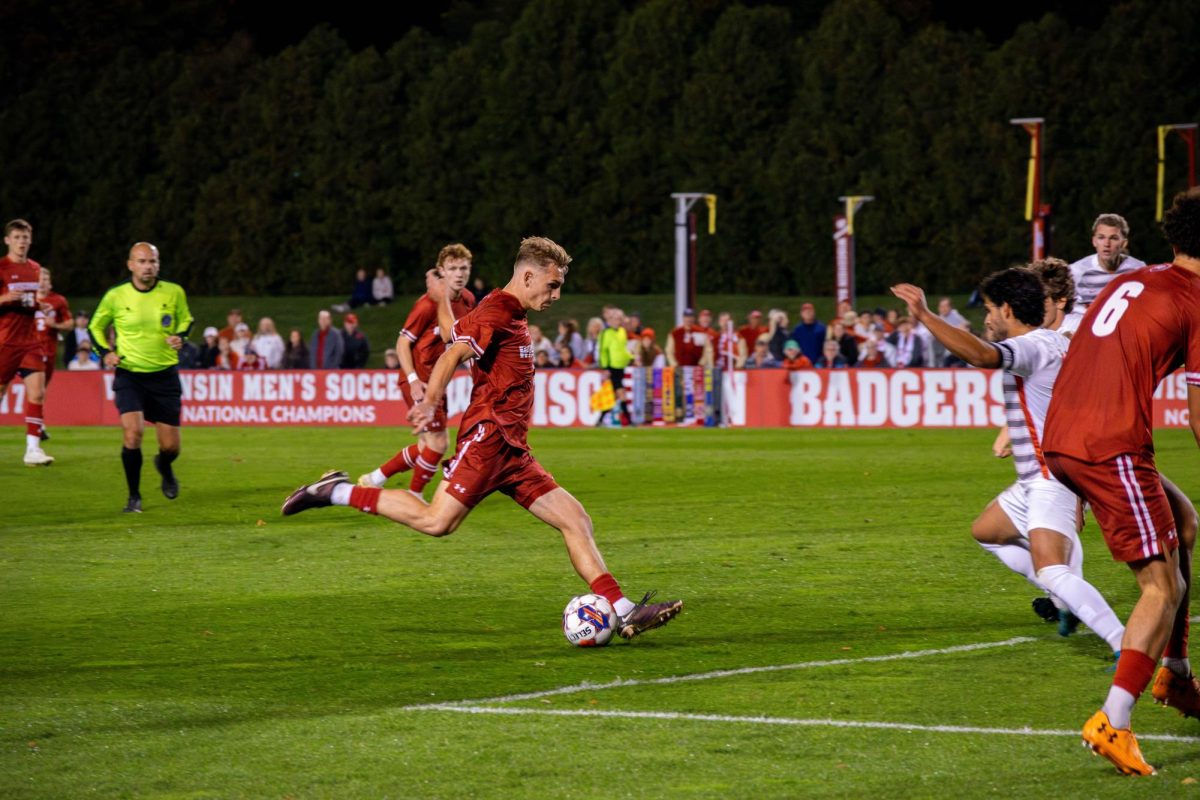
[209,648]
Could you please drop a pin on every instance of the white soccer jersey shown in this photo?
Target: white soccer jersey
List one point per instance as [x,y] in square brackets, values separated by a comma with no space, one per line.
[1030,362]
[1090,279]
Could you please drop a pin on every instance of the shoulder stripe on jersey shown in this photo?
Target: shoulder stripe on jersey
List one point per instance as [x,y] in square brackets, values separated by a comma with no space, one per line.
[1006,354]
[407,334]
[1192,377]
[474,344]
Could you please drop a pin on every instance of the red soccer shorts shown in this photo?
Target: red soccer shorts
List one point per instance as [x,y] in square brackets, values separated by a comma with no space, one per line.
[22,360]
[1127,500]
[438,423]
[486,463]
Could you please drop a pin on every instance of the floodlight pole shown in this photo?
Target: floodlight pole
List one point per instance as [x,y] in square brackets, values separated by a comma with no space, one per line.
[843,246]
[685,284]
[1037,213]
[1187,132]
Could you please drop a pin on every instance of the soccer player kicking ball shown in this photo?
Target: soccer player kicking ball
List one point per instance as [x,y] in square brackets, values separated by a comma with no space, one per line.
[418,348]
[1098,442]
[492,452]
[1035,520]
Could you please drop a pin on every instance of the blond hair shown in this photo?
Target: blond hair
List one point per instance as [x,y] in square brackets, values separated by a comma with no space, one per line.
[456,250]
[542,252]
[1112,221]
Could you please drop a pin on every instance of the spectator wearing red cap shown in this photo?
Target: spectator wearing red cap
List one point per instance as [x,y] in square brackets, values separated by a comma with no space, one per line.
[355,348]
[649,353]
[753,329]
[809,333]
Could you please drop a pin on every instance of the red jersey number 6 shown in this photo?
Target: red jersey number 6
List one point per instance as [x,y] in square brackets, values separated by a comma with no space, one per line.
[1115,308]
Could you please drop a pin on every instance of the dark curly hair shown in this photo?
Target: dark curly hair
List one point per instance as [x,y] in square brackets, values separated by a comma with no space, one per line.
[1181,223]
[1022,289]
[1056,275]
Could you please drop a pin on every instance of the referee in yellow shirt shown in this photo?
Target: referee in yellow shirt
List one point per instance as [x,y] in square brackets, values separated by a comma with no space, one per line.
[151,319]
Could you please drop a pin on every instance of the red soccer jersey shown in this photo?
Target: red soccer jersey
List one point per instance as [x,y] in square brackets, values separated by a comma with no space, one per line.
[43,320]
[498,332]
[421,328]
[1139,330]
[17,326]
[689,344]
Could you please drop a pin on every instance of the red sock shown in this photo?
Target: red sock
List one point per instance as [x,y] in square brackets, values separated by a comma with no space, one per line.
[33,419]
[606,586]
[365,499]
[425,469]
[1134,671]
[404,460]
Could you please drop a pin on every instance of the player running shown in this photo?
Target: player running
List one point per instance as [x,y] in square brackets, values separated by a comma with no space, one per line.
[151,320]
[492,453]
[420,343]
[1035,522]
[53,317]
[1098,442]
[21,351]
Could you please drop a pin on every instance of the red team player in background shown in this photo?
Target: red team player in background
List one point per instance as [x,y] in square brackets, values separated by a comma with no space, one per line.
[420,343]
[54,316]
[492,452]
[21,347]
[1099,443]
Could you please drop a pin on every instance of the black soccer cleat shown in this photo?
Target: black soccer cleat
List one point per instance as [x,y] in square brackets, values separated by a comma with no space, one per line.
[44,435]
[133,505]
[314,495]
[647,616]
[1044,607]
[170,484]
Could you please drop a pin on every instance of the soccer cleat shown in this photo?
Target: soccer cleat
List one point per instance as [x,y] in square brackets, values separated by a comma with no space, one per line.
[37,458]
[365,481]
[1118,745]
[1116,660]
[44,435]
[170,485]
[1044,607]
[133,505]
[1181,694]
[1067,622]
[314,495]
[647,616]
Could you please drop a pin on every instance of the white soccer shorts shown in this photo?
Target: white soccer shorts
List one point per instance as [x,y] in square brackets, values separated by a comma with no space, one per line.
[1040,504]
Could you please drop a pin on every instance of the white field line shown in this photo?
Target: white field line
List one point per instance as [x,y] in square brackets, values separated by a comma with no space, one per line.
[811,723]
[722,673]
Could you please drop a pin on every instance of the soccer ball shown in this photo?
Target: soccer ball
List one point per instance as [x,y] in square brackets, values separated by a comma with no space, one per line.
[588,621]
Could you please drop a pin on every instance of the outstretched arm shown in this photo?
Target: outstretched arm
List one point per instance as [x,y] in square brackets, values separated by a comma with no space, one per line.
[964,344]
[421,414]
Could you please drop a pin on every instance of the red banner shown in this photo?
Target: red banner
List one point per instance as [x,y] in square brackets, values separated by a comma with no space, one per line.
[867,398]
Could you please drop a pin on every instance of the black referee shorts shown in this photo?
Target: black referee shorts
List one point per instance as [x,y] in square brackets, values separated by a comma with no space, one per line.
[156,394]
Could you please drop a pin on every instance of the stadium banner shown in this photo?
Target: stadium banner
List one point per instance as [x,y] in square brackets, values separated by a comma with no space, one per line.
[770,398]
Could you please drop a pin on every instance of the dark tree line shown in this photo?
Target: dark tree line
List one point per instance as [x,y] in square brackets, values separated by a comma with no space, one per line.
[280,173]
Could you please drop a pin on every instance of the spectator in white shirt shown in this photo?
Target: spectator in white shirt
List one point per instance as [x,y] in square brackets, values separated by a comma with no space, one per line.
[382,289]
[268,343]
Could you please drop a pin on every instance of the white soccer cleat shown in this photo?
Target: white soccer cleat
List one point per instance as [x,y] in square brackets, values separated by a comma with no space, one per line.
[38,458]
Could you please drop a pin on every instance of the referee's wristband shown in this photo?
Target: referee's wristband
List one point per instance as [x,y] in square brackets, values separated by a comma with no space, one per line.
[412,377]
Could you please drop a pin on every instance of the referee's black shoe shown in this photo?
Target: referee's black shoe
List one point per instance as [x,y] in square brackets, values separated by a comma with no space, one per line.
[134,506]
[170,486]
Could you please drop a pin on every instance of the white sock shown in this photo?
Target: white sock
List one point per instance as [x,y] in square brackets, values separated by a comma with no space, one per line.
[623,606]
[1075,559]
[32,443]
[1119,707]
[377,477]
[1016,558]
[1083,601]
[341,494]
[1180,666]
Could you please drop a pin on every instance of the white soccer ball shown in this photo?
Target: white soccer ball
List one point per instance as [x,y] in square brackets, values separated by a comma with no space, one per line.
[589,621]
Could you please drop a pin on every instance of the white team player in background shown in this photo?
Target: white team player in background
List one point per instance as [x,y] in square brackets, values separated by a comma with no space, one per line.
[1110,237]
[1033,526]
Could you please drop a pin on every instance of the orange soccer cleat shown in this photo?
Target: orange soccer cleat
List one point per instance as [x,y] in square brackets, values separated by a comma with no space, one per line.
[1118,745]
[1181,694]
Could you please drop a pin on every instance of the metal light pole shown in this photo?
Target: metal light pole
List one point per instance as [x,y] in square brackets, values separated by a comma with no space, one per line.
[843,246]
[1036,212]
[1186,131]
[685,285]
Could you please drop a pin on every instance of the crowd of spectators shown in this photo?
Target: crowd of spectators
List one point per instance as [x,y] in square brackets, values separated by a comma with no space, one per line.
[876,339]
